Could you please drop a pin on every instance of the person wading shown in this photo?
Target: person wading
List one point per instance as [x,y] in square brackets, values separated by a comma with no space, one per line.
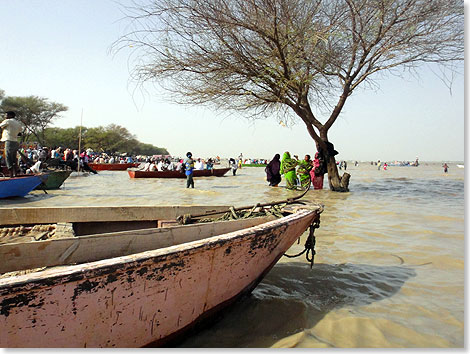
[272,171]
[189,167]
[288,170]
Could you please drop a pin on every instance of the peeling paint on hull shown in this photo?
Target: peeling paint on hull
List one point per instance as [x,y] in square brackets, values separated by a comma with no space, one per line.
[143,298]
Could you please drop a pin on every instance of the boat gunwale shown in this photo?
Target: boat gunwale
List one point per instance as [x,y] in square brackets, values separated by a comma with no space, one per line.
[36,279]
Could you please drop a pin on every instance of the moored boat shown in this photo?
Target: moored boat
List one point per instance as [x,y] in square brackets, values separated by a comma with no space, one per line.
[55,179]
[18,186]
[122,281]
[111,166]
[218,172]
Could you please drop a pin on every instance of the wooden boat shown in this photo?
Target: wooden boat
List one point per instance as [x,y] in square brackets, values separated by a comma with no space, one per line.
[218,172]
[111,166]
[18,186]
[128,278]
[54,179]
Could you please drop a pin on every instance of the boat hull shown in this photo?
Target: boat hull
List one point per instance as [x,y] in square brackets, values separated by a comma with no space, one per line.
[218,172]
[18,186]
[143,298]
[55,179]
[112,166]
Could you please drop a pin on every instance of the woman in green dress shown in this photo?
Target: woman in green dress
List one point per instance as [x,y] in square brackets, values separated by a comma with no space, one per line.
[304,171]
[288,170]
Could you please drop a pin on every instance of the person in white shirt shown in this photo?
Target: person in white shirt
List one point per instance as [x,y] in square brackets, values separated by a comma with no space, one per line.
[171,166]
[160,165]
[36,168]
[199,165]
[11,128]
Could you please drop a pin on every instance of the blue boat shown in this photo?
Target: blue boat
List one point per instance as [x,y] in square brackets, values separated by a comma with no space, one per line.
[18,186]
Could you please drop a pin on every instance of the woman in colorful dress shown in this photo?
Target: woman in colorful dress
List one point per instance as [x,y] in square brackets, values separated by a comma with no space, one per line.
[288,170]
[318,171]
[305,166]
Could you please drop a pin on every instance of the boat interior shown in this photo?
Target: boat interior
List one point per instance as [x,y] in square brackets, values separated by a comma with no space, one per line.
[79,241]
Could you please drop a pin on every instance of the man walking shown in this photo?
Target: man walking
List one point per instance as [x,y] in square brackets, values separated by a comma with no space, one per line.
[11,128]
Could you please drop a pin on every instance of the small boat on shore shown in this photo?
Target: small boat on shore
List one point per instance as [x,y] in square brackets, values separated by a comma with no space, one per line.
[112,166]
[131,276]
[18,186]
[218,172]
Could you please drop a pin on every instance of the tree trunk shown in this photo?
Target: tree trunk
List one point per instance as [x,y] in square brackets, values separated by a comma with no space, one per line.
[337,183]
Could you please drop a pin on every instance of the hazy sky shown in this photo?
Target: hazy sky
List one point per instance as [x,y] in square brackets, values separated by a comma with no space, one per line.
[59,49]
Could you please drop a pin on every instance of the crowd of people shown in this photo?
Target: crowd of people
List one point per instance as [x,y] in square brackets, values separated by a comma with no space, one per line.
[296,172]
[34,158]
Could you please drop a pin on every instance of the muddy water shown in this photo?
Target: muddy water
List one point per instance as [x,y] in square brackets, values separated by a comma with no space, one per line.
[389,269]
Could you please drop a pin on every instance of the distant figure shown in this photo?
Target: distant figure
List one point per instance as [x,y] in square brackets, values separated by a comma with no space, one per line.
[318,171]
[445,167]
[199,165]
[288,170]
[385,166]
[379,164]
[305,166]
[189,167]
[11,128]
[273,175]
[233,164]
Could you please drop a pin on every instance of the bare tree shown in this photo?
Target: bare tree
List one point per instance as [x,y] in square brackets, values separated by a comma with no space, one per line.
[294,58]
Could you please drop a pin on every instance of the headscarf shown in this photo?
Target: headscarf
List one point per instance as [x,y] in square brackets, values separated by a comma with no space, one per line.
[304,167]
[273,167]
[287,164]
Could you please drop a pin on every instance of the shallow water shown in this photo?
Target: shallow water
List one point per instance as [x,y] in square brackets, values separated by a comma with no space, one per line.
[389,269]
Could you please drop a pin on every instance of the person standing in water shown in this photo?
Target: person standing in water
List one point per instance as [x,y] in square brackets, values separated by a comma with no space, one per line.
[189,167]
[272,170]
[303,171]
[445,167]
[233,164]
[318,171]
[288,165]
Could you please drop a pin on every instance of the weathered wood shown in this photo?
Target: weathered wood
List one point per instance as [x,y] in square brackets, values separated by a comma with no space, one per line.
[133,300]
[53,252]
[47,215]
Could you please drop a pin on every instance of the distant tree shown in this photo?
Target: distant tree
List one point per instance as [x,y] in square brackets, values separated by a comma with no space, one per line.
[114,138]
[147,149]
[110,139]
[301,59]
[36,113]
[67,138]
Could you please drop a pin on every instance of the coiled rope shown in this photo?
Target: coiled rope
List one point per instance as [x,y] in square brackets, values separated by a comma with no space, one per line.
[309,247]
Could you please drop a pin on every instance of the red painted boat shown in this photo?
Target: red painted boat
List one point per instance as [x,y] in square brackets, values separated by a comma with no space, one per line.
[112,166]
[132,288]
[218,172]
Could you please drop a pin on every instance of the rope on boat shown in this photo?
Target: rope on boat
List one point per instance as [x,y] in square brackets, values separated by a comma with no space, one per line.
[275,208]
[309,247]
